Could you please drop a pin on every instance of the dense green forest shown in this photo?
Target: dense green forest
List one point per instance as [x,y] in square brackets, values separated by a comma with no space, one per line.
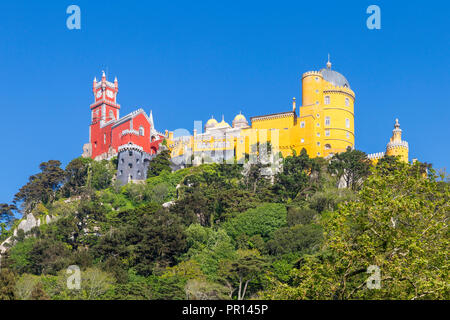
[219,231]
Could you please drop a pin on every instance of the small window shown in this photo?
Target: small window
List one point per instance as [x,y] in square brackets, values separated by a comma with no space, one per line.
[327,121]
[317,78]
[137,160]
[327,146]
[111,114]
[327,133]
[122,160]
[318,144]
[139,172]
[302,140]
[318,115]
[327,99]
[318,124]
[141,131]
[318,153]
[95,144]
[347,123]
[130,153]
[130,165]
[317,102]
[302,124]
[121,172]
[318,134]
[347,102]
[104,138]
[348,134]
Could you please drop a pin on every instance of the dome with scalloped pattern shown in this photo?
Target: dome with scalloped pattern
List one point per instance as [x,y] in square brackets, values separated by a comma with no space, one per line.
[211,123]
[240,121]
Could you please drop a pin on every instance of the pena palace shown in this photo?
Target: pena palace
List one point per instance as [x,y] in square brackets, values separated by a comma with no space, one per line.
[323,125]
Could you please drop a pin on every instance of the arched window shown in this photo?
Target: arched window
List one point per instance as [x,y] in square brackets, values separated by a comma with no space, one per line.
[327,121]
[347,102]
[327,146]
[111,115]
[347,123]
[141,131]
[327,99]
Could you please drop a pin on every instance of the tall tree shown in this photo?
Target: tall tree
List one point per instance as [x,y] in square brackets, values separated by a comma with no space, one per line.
[351,166]
[159,163]
[240,272]
[295,178]
[41,187]
[7,213]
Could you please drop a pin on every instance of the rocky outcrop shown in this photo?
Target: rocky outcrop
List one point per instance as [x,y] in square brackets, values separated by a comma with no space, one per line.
[27,224]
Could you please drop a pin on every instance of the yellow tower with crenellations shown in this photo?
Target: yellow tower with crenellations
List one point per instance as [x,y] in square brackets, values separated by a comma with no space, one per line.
[396,146]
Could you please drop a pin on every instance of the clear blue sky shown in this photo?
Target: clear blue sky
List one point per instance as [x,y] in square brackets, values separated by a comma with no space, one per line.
[187,60]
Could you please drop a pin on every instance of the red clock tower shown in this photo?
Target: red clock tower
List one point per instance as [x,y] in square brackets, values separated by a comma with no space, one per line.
[107,131]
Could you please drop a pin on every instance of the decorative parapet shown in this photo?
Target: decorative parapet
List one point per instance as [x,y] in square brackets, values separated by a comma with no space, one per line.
[400,144]
[375,156]
[130,131]
[312,73]
[130,146]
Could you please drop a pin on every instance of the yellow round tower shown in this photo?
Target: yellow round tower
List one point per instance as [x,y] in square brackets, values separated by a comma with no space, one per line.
[328,105]
[397,146]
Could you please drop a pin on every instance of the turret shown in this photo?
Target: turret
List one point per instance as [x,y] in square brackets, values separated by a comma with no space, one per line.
[397,146]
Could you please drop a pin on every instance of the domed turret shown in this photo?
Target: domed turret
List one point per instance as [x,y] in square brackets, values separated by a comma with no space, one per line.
[223,124]
[397,146]
[240,121]
[211,123]
[334,77]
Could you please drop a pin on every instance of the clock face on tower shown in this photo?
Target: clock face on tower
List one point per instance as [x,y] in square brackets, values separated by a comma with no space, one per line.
[99,93]
[109,93]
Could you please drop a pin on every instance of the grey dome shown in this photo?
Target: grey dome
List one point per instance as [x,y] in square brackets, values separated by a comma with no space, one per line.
[335,78]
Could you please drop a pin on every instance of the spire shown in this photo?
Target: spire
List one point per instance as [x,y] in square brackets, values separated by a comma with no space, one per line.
[329,63]
[397,132]
[151,119]
[103,75]
[95,79]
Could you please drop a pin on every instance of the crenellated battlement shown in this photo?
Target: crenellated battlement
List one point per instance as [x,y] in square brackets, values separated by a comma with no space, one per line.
[376,155]
[312,73]
[399,145]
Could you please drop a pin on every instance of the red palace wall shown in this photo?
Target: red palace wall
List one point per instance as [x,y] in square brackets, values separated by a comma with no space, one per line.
[111,136]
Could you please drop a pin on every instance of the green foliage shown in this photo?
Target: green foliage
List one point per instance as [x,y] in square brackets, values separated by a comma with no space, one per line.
[102,173]
[263,221]
[41,187]
[7,284]
[159,163]
[399,224]
[76,175]
[352,166]
[295,180]
[226,231]
[208,248]
[299,238]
